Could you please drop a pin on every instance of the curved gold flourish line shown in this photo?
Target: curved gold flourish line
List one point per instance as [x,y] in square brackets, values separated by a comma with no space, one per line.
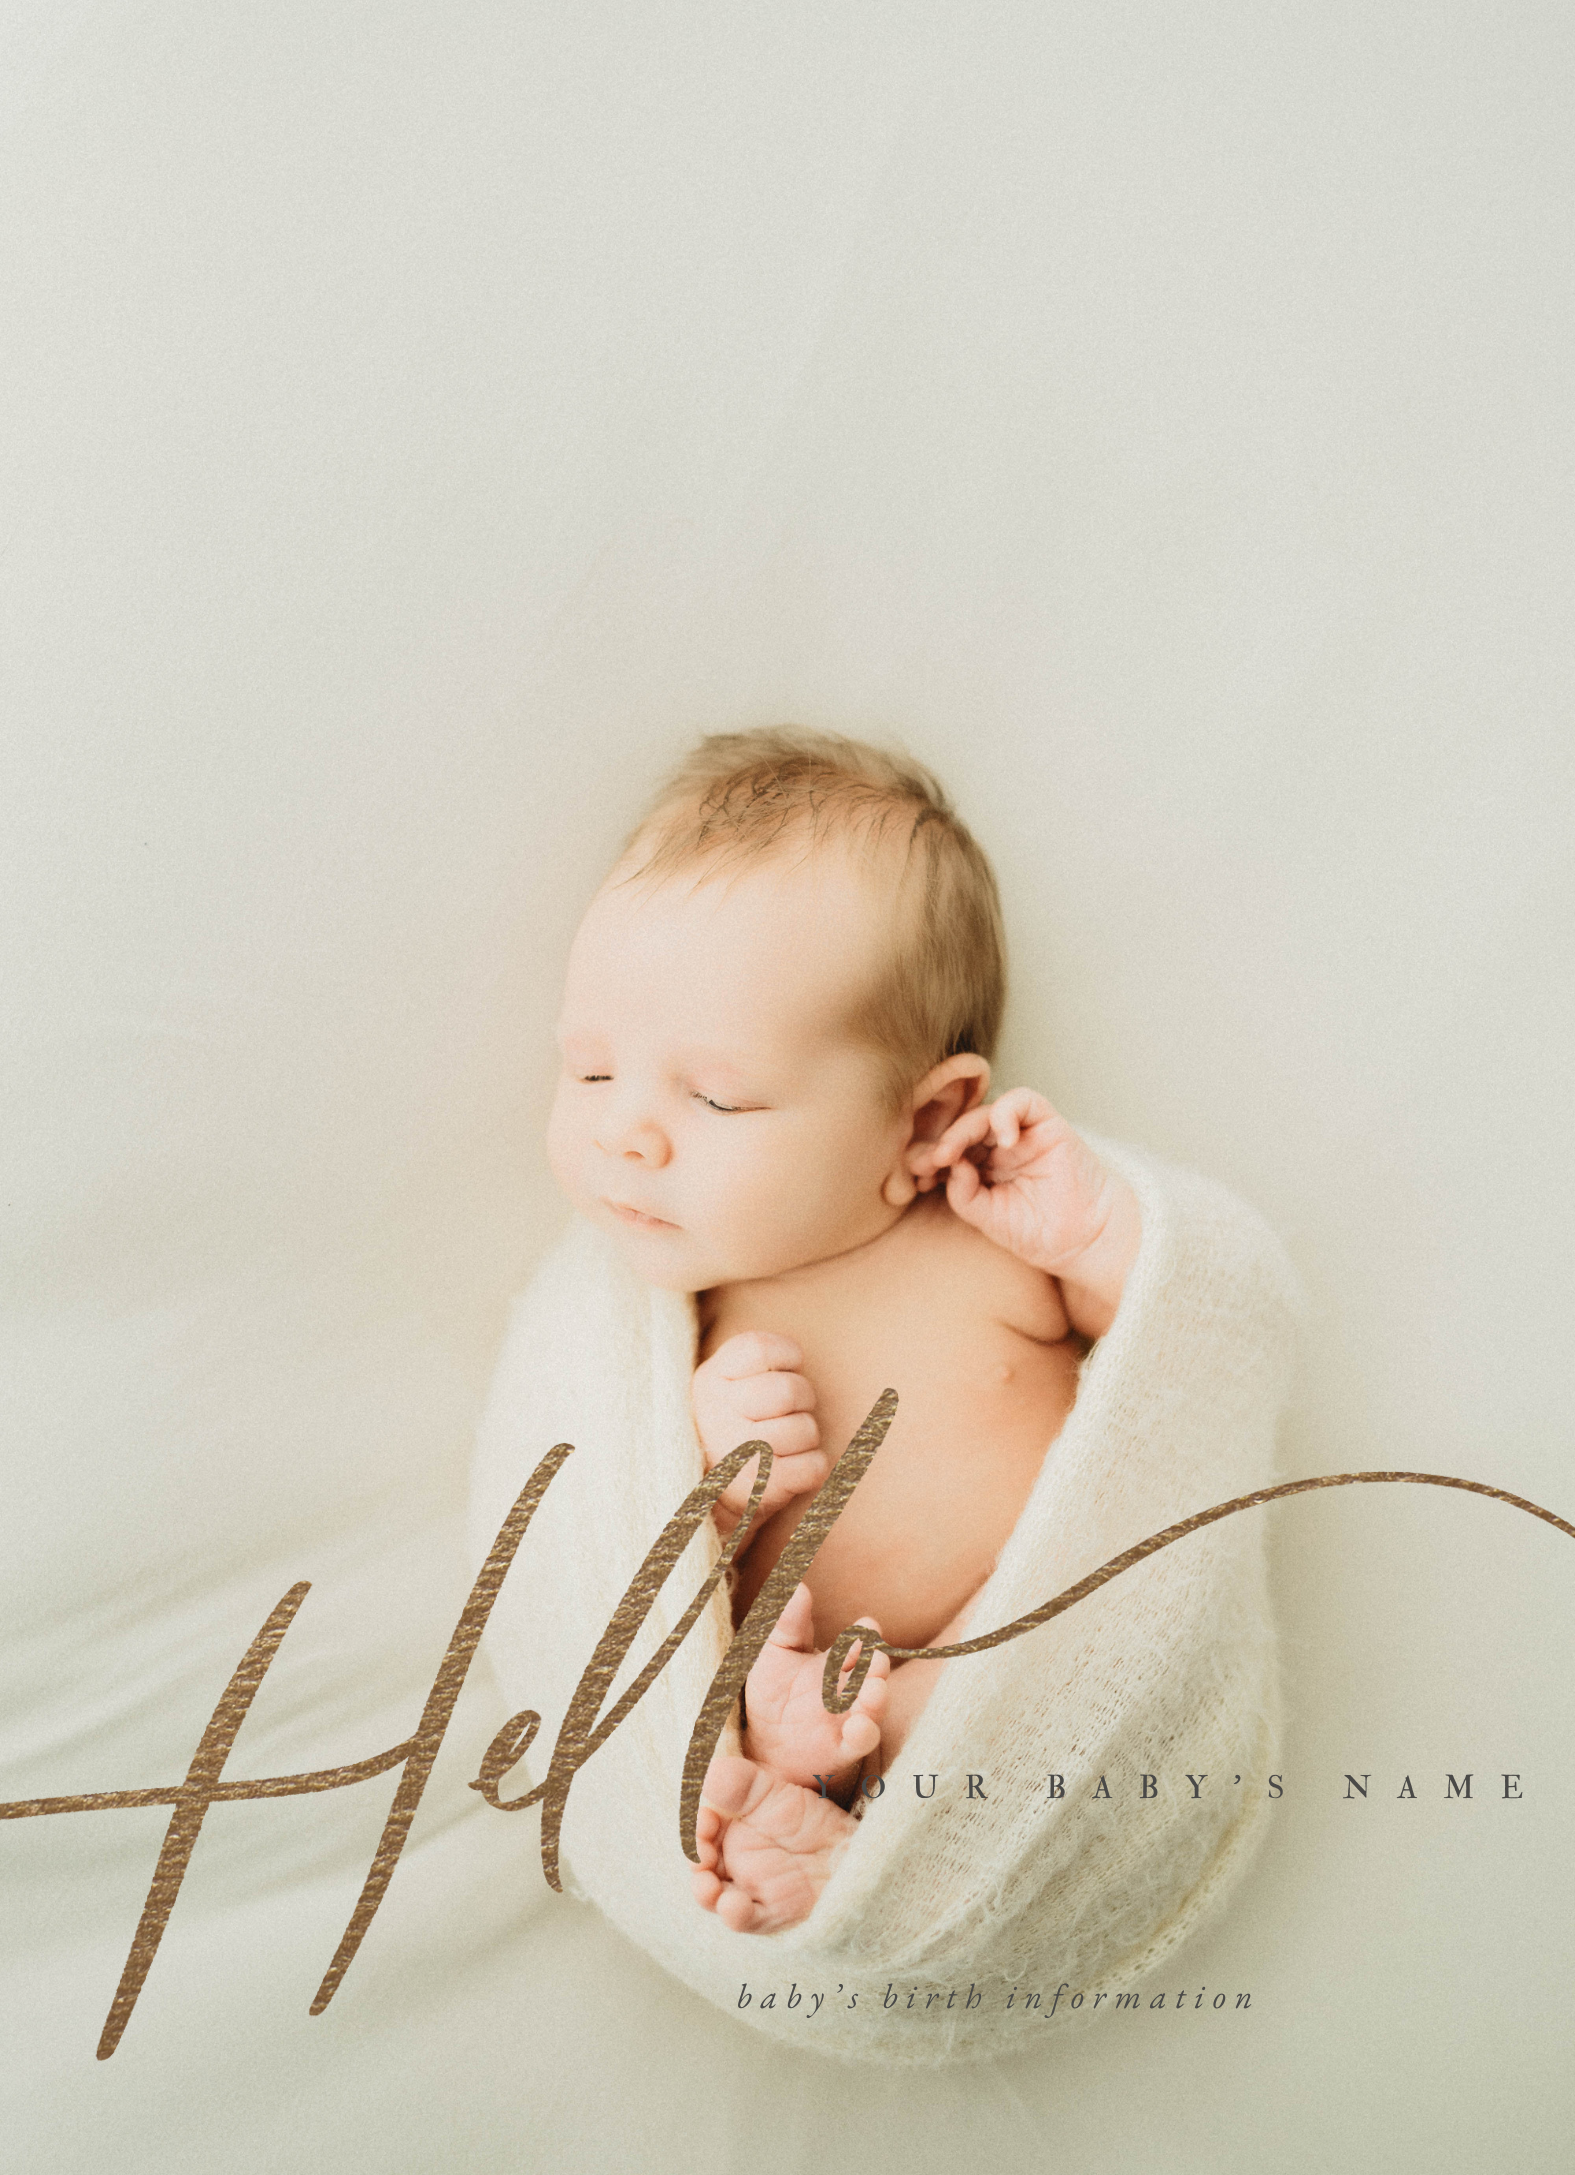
[233,1792]
[334,1778]
[841,1645]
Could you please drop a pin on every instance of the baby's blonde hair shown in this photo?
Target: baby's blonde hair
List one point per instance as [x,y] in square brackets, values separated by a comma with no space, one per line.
[743,796]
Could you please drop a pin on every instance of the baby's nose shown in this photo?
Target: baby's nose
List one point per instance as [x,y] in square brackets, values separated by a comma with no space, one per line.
[637,1140]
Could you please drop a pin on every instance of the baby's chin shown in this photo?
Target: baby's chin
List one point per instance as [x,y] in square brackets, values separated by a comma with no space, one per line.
[675,1259]
[663,1254]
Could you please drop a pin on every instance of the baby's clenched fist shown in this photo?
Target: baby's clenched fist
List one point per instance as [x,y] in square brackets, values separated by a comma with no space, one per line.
[750,1388]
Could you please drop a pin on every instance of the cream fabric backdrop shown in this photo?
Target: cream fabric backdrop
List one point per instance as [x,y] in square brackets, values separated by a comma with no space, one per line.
[417,421]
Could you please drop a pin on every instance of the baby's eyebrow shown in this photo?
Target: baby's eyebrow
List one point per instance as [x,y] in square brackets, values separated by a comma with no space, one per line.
[577,1042]
[712,1060]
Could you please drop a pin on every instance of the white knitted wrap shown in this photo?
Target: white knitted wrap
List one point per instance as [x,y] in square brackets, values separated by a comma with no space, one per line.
[1168,1670]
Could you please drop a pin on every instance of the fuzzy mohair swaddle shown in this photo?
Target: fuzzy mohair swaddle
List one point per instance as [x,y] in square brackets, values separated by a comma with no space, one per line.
[1167,1671]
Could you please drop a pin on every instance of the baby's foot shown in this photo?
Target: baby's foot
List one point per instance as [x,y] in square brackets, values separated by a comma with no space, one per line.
[767,1847]
[788,1728]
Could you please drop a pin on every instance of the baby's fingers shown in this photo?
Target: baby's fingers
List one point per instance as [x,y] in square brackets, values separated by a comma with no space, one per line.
[802,1475]
[755,1351]
[1001,1123]
[880,1660]
[967,1132]
[772,1396]
[872,1692]
[795,1627]
[860,1736]
[963,1184]
[791,1475]
[1018,1111]
[789,1439]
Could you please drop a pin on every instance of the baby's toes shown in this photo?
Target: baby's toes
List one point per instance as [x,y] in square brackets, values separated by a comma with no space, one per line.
[736,1909]
[734,1787]
[708,1887]
[708,1830]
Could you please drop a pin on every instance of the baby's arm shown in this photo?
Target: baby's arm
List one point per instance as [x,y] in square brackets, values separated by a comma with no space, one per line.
[1018,1173]
[750,1387]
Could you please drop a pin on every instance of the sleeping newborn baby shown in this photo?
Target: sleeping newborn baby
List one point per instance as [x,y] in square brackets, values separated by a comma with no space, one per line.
[776,1032]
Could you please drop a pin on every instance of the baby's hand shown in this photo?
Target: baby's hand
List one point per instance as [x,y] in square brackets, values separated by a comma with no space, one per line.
[1019,1174]
[749,1388]
[788,1728]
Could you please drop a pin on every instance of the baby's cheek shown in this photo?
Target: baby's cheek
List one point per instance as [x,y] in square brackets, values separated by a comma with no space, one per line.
[735,1198]
[565,1153]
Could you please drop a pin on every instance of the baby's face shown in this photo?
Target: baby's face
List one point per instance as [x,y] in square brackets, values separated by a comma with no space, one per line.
[715,1111]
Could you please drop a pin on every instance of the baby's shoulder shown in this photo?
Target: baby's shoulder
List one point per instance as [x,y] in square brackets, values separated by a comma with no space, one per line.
[949,1258]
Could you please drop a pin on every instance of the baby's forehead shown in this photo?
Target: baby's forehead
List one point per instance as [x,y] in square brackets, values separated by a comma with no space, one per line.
[795,937]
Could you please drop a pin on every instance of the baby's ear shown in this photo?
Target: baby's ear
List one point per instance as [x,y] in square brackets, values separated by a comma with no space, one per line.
[947,1091]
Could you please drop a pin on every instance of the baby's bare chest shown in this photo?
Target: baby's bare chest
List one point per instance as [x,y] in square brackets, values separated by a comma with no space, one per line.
[975,1344]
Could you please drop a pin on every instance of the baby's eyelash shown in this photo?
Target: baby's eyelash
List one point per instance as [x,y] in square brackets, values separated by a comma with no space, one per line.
[726,1110]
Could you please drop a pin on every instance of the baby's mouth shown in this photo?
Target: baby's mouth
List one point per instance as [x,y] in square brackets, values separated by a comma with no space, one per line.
[641,1222]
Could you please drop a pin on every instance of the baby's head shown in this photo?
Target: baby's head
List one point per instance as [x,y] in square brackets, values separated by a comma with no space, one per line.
[794,973]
